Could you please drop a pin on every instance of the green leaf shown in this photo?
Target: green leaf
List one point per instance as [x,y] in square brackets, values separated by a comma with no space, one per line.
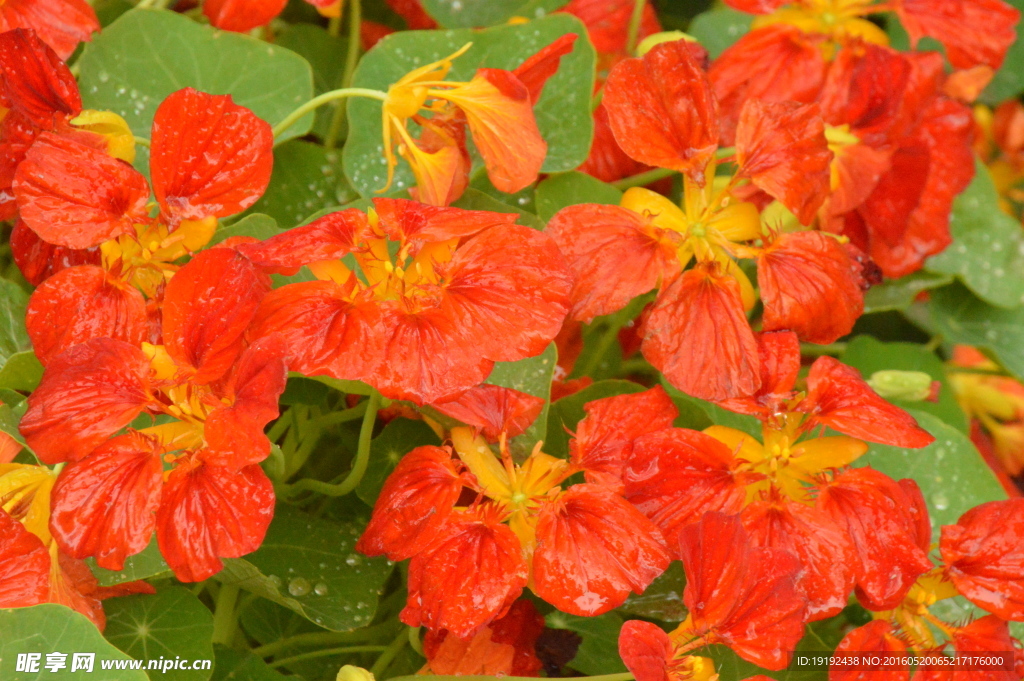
[477,13]
[868,355]
[238,665]
[987,252]
[21,371]
[962,318]
[474,199]
[1009,79]
[692,407]
[398,438]
[951,473]
[898,294]
[132,65]
[663,599]
[567,412]
[339,384]
[569,189]
[533,377]
[599,651]
[256,225]
[170,623]
[310,565]
[307,179]
[19,368]
[52,628]
[147,563]
[326,56]
[301,390]
[718,29]
[10,417]
[563,112]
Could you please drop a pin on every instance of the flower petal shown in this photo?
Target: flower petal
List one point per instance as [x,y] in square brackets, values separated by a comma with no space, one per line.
[209,156]
[62,24]
[328,238]
[242,16]
[646,650]
[87,393]
[535,71]
[72,193]
[877,636]
[39,260]
[35,82]
[972,31]
[405,220]
[494,410]
[104,505]
[24,565]
[593,548]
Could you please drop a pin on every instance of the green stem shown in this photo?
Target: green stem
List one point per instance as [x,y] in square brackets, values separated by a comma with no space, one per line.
[325,98]
[934,344]
[359,464]
[318,638]
[355,20]
[334,26]
[643,178]
[325,653]
[389,654]
[336,417]
[818,350]
[142,141]
[633,34]
[224,620]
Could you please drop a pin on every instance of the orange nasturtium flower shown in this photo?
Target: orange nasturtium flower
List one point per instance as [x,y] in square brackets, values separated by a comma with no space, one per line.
[62,24]
[33,569]
[480,527]
[439,296]
[82,205]
[663,113]
[214,500]
[497,107]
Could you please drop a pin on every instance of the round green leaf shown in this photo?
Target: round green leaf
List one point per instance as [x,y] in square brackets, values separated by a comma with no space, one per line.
[568,189]
[307,178]
[962,318]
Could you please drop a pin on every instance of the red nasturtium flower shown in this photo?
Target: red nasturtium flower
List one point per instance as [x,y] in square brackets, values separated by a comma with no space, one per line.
[62,24]
[697,332]
[505,647]
[441,294]
[244,15]
[210,158]
[479,528]
[738,594]
[32,567]
[496,106]
[215,500]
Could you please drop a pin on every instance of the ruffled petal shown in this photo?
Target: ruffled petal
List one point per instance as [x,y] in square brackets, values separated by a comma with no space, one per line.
[87,393]
[24,565]
[105,504]
[494,410]
[39,260]
[593,548]
[211,512]
[328,238]
[614,254]
[61,24]
[972,31]
[35,82]
[779,352]
[209,156]
[646,650]
[877,636]
[242,16]
[208,305]
[72,193]
[698,335]
[405,220]
[809,284]
[82,303]
[839,398]
[662,111]
[604,438]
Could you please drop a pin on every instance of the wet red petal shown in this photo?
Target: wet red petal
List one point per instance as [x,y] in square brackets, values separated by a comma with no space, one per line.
[80,304]
[504,647]
[414,505]
[39,260]
[838,397]
[810,285]
[494,410]
[865,89]
[537,69]
[781,147]
[209,156]
[972,31]
[405,220]
[607,161]
[821,547]
[35,82]
[416,18]
[646,650]
[73,194]
[607,22]
[674,476]
[604,438]
[779,352]
[24,565]
[16,136]
[593,548]
[615,255]
[776,63]
[881,520]
[470,577]
[242,15]
[985,556]
[756,6]
[87,393]
[208,305]
[104,505]
[698,335]
[212,512]
[327,238]
[877,636]
[743,596]
[61,24]
[234,435]
[662,111]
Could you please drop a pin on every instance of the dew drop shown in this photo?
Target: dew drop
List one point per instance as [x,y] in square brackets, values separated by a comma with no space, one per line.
[353,559]
[275,580]
[940,501]
[320,589]
[299,586]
